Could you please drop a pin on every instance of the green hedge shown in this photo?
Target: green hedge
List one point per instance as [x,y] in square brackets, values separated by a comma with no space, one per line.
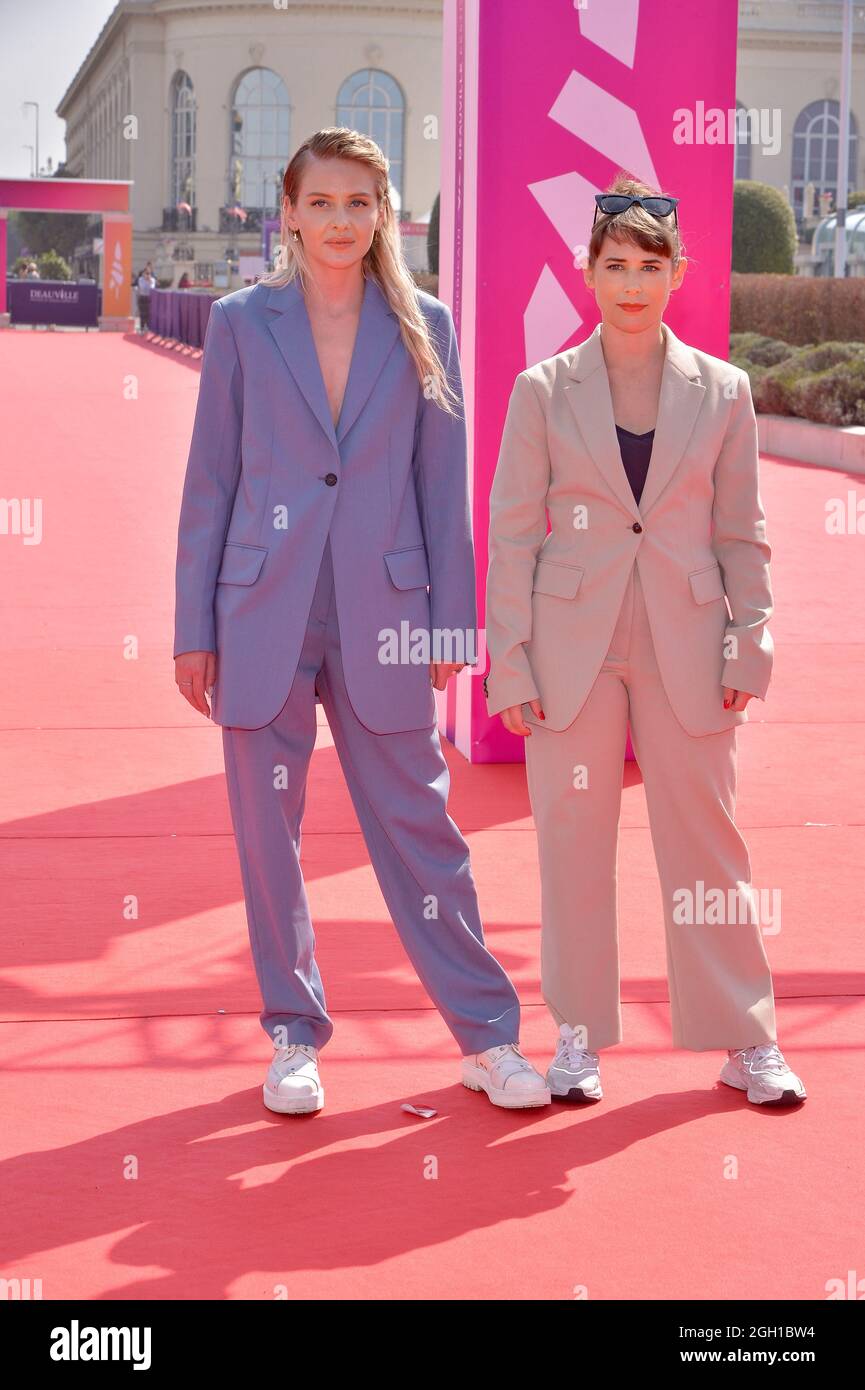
[798,309]
[764,229]
[824,382]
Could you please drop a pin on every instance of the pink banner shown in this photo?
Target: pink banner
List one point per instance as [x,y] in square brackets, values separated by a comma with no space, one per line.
[543,104]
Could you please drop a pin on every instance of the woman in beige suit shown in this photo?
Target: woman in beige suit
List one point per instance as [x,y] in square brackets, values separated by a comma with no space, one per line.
[646,604]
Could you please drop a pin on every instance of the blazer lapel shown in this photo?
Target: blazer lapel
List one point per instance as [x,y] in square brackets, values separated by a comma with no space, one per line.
[588,394]
[377,332]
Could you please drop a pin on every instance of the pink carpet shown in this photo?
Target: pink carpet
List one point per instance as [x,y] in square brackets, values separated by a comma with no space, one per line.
[131,1039]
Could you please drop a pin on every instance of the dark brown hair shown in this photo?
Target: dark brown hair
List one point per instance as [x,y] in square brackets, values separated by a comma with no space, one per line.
[657,234]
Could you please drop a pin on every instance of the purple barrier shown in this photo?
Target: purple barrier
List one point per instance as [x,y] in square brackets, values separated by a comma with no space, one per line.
[181,314]
[204,302]
[157,311]
[194,321]
[54,301]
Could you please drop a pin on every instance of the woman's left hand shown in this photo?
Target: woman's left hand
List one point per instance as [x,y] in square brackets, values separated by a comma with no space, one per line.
[440,672]
[735,699]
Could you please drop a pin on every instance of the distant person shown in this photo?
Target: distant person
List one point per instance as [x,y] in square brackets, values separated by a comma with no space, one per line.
[184,282]
[146,283]
[32,272]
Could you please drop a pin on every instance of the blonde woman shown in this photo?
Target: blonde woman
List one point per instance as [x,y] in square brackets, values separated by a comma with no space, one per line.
[644,451]
[325,515]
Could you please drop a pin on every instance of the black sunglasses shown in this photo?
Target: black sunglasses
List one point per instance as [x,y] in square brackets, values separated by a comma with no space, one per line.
[617,202]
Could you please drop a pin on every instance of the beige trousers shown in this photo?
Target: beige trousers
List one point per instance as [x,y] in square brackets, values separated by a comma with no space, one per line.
[718,974]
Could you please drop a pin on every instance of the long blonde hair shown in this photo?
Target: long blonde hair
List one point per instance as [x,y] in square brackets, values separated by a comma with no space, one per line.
[384,261]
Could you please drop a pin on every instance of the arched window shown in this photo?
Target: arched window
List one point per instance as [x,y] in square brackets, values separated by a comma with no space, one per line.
[815,152]
[181,181]
[259,140]
[744,129]
[372,102]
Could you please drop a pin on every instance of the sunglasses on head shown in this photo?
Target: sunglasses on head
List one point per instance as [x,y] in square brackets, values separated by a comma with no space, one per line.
[618,202]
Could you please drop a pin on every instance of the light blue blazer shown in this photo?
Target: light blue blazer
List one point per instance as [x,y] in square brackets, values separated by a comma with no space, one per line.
[269,478]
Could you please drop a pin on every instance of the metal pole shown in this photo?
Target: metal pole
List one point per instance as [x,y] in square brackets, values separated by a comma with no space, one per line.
[36,104]
[843,143]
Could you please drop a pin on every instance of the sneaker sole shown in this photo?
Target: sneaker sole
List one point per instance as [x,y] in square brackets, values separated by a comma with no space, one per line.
[577,1094]
[506,1103]
[293,1105]
[785,1098]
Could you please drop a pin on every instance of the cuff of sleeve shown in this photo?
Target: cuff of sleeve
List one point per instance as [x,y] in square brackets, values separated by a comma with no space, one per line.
[503,697]
[192,636]
[738,675]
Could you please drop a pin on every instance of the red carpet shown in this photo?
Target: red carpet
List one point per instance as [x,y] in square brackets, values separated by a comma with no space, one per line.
[137,1157]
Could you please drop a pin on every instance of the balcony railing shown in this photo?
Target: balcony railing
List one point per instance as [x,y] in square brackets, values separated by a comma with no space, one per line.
[230,222]
[173,220]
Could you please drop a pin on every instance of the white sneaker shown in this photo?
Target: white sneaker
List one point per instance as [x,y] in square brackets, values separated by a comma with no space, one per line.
[507,1076]
[574,1073]
[762,1072]
[292,1086]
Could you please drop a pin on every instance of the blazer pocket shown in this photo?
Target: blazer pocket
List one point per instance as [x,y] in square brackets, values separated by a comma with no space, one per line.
[408,568]
[557,578]
[707,584]
[241,564]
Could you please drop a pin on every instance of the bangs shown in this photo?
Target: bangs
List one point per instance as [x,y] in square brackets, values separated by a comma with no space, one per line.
[636,228]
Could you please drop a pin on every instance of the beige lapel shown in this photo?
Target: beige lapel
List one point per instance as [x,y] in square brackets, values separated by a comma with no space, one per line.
[682,394]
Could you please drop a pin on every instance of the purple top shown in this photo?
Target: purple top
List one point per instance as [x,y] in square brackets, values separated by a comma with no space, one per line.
[636,452]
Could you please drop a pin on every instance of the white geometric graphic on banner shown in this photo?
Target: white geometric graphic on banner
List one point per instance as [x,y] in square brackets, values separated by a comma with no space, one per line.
[612,27]
[605,123]
[569,202]
[549,320]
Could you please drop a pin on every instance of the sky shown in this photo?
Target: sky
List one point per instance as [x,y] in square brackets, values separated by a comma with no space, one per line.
[42,46]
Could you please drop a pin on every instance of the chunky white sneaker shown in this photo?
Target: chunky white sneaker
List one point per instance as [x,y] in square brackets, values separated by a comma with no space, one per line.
[507,1076]
[292,1086]
[763,1073]
[574,1073]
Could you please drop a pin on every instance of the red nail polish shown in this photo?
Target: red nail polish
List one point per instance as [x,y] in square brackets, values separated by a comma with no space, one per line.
[543,716]
[726,704]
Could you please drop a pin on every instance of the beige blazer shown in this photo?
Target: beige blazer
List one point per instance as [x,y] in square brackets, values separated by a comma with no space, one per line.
[698,538]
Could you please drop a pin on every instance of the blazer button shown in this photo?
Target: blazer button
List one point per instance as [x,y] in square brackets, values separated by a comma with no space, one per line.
[636,526]
[330,479]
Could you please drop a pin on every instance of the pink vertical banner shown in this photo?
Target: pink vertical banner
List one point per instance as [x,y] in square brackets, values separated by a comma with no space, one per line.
[542,105]
[3,220]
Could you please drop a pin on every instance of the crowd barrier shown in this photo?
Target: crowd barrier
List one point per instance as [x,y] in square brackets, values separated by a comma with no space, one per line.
[181,314]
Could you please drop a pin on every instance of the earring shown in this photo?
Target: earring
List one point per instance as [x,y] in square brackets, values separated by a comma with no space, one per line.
[296,235]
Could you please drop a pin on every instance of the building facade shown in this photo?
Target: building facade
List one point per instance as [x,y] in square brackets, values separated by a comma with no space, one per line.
[788,82]
[201,103]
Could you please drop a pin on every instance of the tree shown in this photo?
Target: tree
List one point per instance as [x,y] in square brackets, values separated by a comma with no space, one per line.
[432,237]
[764,229]
[59,232]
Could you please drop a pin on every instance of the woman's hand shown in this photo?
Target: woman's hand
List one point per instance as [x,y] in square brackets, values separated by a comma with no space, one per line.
[735,699]
[195,672]
[512,718]
[440,672]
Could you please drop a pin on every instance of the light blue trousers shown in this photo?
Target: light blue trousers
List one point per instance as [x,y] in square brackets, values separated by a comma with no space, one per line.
[399,786]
